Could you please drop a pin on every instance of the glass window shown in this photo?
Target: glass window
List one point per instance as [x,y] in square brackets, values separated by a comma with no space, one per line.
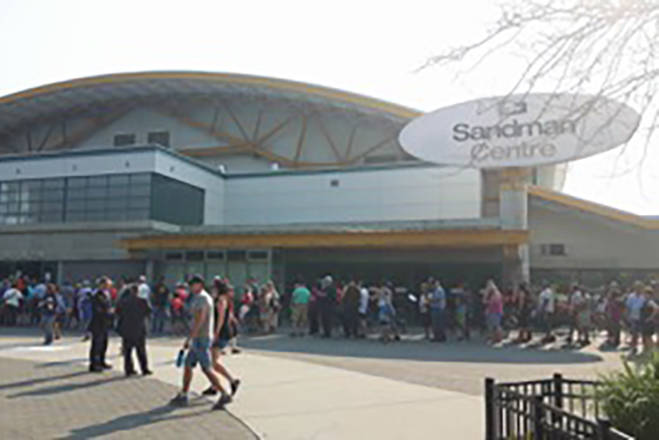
[95,216]
[140,178]
[118,191]
[115,215]
[139,202]
[119,179]
[194,256]
[96,192]
[52,194]
[77,182]
[51,217]
[137,214]
[75,205]
[113,204]
[53,183]
[76,193]
[98,181]
[95,205]
[51,206]
[75,216]
[140,190]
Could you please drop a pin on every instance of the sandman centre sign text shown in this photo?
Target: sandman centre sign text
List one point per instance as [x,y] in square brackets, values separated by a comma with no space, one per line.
[520,130]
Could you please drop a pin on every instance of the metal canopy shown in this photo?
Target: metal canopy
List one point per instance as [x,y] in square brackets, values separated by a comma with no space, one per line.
[102,93]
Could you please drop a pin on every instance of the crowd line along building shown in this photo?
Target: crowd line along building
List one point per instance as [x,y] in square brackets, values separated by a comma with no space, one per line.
[172,173]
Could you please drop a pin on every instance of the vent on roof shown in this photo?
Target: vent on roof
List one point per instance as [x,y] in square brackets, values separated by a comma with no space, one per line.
[158,137]
[123,140]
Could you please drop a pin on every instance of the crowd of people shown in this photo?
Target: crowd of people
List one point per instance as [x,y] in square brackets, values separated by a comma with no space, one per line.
[355,309]
[97,308]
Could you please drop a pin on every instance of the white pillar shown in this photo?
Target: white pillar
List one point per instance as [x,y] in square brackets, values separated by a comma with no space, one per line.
[513,214]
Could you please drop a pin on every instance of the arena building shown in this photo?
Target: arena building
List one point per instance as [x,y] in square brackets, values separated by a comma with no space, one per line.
[171,173]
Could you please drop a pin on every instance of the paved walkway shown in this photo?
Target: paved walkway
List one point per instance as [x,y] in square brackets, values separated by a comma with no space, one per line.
[308,389]
[57,400]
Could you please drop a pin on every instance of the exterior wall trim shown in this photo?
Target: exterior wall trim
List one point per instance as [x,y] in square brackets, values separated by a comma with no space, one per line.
[374,239]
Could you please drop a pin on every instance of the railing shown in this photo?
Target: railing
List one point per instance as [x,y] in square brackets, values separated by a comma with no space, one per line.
[551,409]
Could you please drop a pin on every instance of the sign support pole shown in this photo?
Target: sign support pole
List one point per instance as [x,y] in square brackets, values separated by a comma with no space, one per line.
[513,214]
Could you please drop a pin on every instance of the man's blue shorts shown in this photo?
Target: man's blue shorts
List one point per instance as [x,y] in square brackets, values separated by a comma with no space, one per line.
[199,353]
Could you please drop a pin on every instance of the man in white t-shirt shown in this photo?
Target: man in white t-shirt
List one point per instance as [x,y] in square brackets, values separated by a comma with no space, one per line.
[12,301]
[364,298]
[547,300]
[198,344]
[576,302]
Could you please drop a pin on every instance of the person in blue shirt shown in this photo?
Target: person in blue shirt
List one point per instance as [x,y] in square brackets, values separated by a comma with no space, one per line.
[438,311]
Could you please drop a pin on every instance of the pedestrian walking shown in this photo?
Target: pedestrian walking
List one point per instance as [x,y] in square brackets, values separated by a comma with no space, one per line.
[198,345]
[221,336]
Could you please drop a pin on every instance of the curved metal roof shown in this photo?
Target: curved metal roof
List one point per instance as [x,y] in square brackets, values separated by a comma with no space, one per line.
[55,100]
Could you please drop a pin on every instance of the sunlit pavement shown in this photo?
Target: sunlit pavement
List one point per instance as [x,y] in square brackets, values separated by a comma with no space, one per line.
[325,389]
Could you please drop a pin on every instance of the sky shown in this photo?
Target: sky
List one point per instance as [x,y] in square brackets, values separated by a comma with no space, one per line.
[369,47]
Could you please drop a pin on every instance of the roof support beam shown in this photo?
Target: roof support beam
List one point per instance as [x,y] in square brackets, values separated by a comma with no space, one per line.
[300,140]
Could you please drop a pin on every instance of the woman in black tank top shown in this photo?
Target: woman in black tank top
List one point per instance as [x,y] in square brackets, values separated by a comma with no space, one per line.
[221,334]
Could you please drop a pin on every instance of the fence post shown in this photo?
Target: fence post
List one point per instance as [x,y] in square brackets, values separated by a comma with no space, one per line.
[558,390]
[490,409]
[603,429]
[537,417]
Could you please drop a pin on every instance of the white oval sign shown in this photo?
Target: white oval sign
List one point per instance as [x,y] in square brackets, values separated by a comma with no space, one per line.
[519,130]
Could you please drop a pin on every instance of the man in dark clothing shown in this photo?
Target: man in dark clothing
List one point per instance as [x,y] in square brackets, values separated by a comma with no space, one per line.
[160,302]
[100,325]
[327,305]
[350,306]
[132,312]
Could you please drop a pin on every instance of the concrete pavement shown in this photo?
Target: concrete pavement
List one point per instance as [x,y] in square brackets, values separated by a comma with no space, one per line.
[292,399]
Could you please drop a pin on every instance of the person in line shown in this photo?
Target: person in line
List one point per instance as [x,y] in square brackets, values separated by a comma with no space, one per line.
[575,304]
[461,311]
[327,305]
[198,345]
[132,313]
[494,310]
[386,314]
[99,325]
[47,307]
[364,299]
[299,308]
[350,304]
[547,300]
[234,321]
[437,311]
[524,308]
[273,307]
[314,309]
[221,335]
[160,301]
[84,299]
[424,310]
[614,311]
[634,303]
[12,301]
[649,314]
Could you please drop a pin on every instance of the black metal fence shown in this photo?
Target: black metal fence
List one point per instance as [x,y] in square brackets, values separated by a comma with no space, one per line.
[551,409]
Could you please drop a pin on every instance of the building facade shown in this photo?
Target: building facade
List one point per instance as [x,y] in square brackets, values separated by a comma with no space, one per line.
[172,173]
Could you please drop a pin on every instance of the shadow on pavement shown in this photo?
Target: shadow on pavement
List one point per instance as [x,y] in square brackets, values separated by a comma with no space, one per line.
[65,388]
[132,421]
[415,350]
[37,381]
